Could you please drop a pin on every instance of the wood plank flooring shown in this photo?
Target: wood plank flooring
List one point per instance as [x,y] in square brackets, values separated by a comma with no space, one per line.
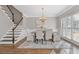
[24,51]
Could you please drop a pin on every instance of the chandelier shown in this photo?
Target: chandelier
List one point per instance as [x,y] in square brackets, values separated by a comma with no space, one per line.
[42,19]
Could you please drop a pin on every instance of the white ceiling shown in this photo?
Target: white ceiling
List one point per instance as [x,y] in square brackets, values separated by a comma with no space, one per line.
[35,10]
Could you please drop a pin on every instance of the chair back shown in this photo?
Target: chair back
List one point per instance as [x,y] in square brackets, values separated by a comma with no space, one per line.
[49,34]
[30,36]
[39,34]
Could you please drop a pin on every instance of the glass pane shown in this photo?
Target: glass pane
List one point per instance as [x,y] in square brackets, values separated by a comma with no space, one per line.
[66,27]
[76,27]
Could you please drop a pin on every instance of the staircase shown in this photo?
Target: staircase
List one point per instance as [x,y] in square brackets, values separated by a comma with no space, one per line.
[6,10]
[11,36]
[7,39]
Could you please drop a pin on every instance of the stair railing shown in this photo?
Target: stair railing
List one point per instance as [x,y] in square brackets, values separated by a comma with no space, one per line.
[11,13]
[13,29]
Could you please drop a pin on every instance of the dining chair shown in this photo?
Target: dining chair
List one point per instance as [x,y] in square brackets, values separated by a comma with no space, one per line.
[49,36]
[39,36]
[30,37]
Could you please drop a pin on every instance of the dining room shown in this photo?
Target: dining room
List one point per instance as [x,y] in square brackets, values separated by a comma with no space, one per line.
[41,25]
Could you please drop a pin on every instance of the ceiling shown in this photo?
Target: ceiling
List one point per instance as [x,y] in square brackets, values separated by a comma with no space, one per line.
[35,10]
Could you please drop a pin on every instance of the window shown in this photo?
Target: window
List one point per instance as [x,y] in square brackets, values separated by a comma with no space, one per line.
[76,27]
[70,27]
[66,27]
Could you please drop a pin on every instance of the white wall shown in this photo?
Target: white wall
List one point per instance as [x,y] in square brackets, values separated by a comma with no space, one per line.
[33,23]
[29,22]
[51,24]
[5,23]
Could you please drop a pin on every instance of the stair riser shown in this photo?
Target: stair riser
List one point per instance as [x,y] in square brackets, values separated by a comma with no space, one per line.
[15,31]
[14,34]
[9,37]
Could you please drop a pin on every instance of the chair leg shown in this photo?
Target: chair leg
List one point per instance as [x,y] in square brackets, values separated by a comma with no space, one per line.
[52,41]
[46,41]
[36,41]
[42,41]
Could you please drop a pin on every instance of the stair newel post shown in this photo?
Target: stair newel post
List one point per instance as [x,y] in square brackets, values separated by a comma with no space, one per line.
[13,30]
[13,36]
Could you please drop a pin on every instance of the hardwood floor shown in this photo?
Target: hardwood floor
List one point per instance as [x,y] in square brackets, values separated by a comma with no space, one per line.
[4,50]
[10,49]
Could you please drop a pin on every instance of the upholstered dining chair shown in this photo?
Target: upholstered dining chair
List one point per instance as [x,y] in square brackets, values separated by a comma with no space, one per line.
[30,37]
[49,35]
[39,36]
